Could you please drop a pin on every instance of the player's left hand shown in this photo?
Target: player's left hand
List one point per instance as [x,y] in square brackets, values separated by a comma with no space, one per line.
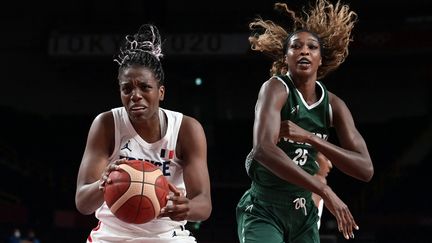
[344,218]
[179,209]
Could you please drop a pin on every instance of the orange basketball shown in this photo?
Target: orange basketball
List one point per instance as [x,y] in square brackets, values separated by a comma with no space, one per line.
[137,192]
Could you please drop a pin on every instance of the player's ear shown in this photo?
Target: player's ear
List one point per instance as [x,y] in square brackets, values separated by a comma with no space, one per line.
[161,93]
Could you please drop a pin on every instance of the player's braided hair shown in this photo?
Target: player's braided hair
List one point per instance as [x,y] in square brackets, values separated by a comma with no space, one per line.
[332,24]
[142,48]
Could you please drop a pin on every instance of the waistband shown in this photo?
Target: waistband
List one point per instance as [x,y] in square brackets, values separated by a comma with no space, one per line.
[276,196]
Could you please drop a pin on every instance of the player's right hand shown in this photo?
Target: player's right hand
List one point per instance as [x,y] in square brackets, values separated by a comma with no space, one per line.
[289,129]
[345,220]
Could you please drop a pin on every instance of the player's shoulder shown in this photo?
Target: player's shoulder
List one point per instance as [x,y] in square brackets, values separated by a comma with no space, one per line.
[104,120]
[171,112]
[274,83]
[104,116]
[277,79]
[189,121]
[335,100]
[338,106]
[190,127]
[274,87]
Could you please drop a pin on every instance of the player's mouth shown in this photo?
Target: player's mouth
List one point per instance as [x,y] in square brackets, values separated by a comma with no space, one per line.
[304,62]
[137,109]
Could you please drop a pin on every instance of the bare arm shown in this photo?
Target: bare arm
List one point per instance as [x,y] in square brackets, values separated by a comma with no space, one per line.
[88,197]
[270,101]
[352,157]
[193,152]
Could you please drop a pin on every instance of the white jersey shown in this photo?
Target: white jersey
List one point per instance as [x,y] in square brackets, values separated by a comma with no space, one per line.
[128,144]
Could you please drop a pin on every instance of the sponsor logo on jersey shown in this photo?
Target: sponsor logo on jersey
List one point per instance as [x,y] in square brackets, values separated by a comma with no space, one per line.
[126,146]
[295,110]
[320,135]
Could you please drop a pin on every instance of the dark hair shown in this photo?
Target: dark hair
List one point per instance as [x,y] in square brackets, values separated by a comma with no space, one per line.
[144,49]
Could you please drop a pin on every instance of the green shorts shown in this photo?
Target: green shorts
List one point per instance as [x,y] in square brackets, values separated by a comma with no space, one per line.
[274,217]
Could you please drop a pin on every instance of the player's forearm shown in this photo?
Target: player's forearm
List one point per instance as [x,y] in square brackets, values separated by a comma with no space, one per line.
[88,198]
[275,160]
[352,163]
[200,208]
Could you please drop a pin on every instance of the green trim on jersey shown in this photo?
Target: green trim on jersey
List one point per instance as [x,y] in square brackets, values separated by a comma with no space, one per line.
[314,118]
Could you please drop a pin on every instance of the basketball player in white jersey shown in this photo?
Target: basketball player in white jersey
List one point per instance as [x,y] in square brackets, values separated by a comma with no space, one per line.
[142,130]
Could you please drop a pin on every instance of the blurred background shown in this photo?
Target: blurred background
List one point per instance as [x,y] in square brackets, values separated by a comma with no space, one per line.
[58,74]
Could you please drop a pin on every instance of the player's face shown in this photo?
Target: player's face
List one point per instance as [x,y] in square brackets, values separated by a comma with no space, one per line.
[140,92]
[303,54]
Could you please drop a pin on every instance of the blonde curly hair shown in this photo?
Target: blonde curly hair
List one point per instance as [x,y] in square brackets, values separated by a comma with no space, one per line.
[331,23]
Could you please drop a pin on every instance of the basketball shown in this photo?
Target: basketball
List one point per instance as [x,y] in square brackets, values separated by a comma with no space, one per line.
[137,192]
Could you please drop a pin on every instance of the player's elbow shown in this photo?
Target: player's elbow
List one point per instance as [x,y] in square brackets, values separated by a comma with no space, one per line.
[207,212]
[207,208]
[82,208]
[259,151]
[200,210]
[369,172]
[366,173]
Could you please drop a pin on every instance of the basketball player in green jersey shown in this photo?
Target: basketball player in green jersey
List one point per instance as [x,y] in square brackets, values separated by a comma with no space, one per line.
[279,207]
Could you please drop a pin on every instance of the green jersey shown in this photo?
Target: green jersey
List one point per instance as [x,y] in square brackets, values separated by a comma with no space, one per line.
[315,118]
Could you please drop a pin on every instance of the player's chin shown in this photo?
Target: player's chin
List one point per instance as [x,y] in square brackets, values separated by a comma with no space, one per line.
[139,114]
[138,117]
[305,71]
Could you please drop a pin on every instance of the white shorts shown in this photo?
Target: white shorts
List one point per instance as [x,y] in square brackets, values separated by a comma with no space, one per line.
[320,211]
[104,234]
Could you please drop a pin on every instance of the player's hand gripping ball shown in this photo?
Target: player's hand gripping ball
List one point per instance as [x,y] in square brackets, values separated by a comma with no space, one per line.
[137,192]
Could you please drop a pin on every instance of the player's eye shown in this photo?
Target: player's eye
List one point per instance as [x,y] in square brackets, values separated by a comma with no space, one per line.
[145,87]
[313,46]
[295,46]
[126,89]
